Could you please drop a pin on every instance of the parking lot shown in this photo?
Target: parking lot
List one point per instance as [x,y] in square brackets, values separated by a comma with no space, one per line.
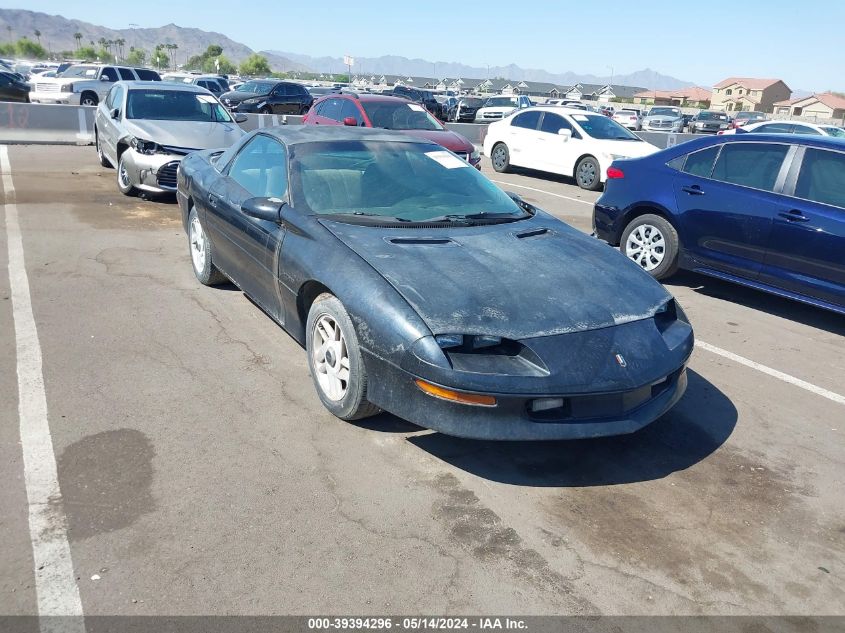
[200,473]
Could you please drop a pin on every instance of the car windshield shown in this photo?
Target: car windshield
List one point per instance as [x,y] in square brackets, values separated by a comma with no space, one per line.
[712,116]
[472,102]
[174,105]
[834,131]
[494,102]
[81,71]
[601,127]
[256,87]
[399,115]
[665,112]
[394,182]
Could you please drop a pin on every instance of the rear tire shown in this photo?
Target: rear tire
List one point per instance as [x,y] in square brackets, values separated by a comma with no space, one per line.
[588,174]
[202,259]
[334,358]
[89,99]
[501,158]
[265,110]
[651,242]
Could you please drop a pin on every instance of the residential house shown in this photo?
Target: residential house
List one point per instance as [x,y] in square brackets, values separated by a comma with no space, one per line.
[693,97]
[741,93]
[594,92]
[823,106]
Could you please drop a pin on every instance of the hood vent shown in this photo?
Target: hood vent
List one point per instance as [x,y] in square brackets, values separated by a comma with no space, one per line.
[532,233]
[421,241]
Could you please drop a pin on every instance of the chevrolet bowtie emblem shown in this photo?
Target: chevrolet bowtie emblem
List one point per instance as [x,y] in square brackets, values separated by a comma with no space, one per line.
[621,360]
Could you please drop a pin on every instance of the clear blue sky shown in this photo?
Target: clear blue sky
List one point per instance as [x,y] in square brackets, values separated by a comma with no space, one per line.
[702,42]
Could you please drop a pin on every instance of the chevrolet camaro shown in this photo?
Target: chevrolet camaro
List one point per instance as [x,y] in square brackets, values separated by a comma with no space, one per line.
[420,288]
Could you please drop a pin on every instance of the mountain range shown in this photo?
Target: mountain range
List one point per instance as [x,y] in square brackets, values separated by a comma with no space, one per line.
[57,34]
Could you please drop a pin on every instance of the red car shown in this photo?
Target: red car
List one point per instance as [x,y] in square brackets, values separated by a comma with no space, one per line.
[389,113]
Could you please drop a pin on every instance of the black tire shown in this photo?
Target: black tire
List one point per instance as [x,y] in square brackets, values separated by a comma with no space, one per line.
[651,225]
[124,183]
[588,174]
[353,403]
[500,156]
[208,274]
[266,110]
[100,156]
[89,99]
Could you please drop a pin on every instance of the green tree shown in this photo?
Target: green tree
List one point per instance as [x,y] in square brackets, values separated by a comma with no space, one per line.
[136,57]
[159,57]
[255,65]
[78,37]
[29,49]
[37,36]
[88,53]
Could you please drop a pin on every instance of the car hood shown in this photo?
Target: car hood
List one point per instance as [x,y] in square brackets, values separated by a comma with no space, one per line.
[518,280]
[629,149]
[448,139]
[186,134]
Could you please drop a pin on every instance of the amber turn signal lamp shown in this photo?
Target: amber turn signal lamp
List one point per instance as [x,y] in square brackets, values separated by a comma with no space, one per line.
[474,399]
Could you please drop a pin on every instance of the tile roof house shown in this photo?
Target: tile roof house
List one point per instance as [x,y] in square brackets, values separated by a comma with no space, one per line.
[824,105]
[744,93]
[693,97]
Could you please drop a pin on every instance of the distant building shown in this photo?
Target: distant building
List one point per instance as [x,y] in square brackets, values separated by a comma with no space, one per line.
[742,93]
[824,105]
[594,92]
[693,97]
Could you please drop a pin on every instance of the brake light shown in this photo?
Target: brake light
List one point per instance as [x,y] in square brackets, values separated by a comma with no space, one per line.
[614,172]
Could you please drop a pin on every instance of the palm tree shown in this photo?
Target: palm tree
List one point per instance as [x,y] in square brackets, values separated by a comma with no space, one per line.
[78,37]
[9,28]
[120,42]
[38,36]
[102,42]
[170,48]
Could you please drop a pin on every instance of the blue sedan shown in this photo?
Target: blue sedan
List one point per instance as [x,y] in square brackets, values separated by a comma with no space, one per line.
[762,210]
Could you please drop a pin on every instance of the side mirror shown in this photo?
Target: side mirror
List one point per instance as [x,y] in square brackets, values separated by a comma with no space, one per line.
[115,113]
[351,121]
[565,134]
[240,117]
[104,78]
[269,209]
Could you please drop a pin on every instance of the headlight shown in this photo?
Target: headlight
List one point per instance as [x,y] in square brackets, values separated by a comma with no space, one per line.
[66,88]
[251,101]
[475,155]
[145,147]
[451,341]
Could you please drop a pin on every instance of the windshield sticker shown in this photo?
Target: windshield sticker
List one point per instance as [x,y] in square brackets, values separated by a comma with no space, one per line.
[207,99]
[449,161]
[579,117]
[416,108]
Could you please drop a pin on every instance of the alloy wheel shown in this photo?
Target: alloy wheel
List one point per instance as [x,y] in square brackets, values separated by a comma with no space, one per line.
[646,246]
[198,245]
[330,358]
[123,174]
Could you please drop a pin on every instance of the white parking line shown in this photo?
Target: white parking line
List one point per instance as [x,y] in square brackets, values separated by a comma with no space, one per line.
[548,193]
[792,380]
[55,585]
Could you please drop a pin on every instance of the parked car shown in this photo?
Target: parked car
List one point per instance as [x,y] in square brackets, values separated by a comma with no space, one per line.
[743,118]
[330,232]
[86,84]
[465,109]
[268,96]
[12,88]
[787,127]
[146,129]
[389,113]
[765,211]
[447,104]
[561,141]
[424,97]
[496,108]
[709,121]
[664,119]
[628,118]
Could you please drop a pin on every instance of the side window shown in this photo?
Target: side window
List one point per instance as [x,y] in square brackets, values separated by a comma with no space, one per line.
[126,74]
[774,128]
[110,97]
[261,168]
[803,129]
[147,75]
[109,73]
[116,95]
[701,163]
[820,179]
[282,90]
[553,123]
[753,165]
[5,80]
[349,109]
[331,109]
[528,120]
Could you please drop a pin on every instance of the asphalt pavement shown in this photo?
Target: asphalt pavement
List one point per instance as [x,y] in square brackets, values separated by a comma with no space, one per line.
[200,474]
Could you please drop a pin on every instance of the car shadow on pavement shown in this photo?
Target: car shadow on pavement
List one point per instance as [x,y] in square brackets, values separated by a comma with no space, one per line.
[698,425]
[760,301]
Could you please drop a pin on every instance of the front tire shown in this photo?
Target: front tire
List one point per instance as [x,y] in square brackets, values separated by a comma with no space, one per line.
[89,99]
[501,158]
[588,174]
[265,110]
[124,181]
[100,156]
[651,242]
[334,358]
[201,253]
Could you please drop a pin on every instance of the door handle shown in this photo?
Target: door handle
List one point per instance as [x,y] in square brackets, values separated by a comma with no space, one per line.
[212,200]
[794,215]
[693,190]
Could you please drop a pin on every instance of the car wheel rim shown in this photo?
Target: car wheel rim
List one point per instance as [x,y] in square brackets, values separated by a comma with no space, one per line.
[123,176]
[198,245]
[499,158]
[646,246]
[330,358]
[88,101]
[99,149]
[587,174]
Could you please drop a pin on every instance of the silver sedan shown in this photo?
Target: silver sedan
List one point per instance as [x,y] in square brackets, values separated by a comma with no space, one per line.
[145,128]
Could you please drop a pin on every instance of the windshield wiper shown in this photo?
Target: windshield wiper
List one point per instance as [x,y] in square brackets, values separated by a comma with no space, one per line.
[459,217]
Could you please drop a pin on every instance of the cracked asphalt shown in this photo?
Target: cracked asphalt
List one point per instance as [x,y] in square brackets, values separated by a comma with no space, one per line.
[201,475]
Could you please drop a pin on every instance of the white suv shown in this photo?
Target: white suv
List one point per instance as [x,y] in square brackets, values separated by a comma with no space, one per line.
[85,84]
[498,107]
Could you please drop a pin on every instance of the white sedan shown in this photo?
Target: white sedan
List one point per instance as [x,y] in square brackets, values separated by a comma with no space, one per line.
[562,141]
[789,127]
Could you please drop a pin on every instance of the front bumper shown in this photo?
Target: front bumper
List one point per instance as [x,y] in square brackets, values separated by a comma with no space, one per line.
[69,98]
[673,130]
[155,173]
